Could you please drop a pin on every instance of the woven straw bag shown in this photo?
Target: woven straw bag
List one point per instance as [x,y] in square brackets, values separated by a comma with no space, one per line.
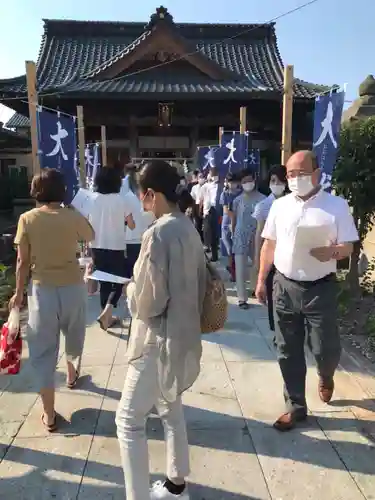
[215,304]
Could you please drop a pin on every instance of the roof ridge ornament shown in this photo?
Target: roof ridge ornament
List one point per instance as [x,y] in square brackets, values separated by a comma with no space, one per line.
[161,15]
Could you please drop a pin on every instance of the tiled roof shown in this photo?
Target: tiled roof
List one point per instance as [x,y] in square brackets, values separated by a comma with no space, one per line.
[18,121]
[73,53]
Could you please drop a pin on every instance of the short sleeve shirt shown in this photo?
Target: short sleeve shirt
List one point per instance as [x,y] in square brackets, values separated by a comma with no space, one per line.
[52,237]
[243,208]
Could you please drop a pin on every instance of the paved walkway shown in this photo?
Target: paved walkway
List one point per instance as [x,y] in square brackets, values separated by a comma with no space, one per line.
[235,452]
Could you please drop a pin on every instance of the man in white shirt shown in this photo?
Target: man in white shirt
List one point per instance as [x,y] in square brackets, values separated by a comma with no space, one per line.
[196,195]
[208,203]
[305,234]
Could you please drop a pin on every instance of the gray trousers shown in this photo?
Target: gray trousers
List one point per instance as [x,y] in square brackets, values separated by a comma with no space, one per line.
[53,309]
[305,308]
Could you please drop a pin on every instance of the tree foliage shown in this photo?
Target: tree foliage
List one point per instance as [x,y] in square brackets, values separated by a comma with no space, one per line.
[354,177]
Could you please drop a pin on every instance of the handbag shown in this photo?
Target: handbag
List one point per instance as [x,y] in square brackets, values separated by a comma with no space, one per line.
[215,304]
[11,344]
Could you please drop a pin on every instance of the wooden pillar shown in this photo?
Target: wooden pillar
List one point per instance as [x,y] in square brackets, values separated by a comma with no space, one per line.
[82,145]
[242,119]
[104,146]
[133,137]
[194,134]
[32,97]
[286,136]
[221,133]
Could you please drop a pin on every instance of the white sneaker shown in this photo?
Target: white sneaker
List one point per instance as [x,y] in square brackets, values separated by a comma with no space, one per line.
[160,492]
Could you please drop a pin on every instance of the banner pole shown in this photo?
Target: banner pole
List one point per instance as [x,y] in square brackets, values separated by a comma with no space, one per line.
[81,145]
[221,133]
[32,97]
[242,119]
[104,146]
[286,136]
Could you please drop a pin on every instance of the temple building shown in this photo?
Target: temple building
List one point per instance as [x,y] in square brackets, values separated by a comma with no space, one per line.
[161,88]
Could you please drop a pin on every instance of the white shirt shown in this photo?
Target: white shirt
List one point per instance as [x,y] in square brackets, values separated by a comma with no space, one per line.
[288,213]
[107,216]
[125,188]
[196,192]
[142,219]
[208,194]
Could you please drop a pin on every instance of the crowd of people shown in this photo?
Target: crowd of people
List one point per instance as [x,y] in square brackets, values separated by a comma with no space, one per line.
[157,228]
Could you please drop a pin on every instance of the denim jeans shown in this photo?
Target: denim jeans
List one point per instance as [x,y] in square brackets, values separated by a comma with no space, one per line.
[140,394]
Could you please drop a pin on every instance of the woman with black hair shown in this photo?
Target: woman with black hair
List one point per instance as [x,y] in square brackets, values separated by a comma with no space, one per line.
[278,187]
[109,216]
[165,299]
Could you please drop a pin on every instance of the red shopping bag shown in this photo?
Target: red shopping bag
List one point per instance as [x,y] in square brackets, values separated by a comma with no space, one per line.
[11,345]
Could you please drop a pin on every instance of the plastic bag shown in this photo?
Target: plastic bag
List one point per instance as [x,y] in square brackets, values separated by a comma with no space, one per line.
[11,344]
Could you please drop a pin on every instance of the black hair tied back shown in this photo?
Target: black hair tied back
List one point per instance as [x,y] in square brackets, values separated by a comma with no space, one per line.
[162,178]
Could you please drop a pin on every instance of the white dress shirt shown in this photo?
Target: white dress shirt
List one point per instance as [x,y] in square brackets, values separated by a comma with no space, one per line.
[330,213]
[208,194]
[196,192]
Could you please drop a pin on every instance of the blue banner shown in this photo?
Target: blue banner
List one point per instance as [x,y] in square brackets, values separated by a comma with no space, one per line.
[57,146]
[327,122]
[206,158]
[92,163]
[235,147]
[254,160]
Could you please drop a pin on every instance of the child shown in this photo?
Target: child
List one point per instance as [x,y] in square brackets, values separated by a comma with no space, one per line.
[244,227]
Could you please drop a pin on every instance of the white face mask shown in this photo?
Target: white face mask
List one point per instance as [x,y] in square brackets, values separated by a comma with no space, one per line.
[201,182]
[248,186]
[301,186]
[277,189]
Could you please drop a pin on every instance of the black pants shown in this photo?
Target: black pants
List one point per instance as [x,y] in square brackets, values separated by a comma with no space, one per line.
[211,232]
[269,288]
[132,254]
[112,262]
[305,308]
[198,221]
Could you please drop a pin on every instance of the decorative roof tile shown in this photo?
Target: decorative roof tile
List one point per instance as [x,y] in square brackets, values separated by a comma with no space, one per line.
[74,53]
[18,121]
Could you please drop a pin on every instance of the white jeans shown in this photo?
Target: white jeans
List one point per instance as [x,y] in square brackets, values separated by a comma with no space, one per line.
[140,394]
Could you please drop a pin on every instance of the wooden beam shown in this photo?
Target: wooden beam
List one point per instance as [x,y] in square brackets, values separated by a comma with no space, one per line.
[221,133]
[81,145]
[104,146]
[32,97]
[242,119]
[286,136]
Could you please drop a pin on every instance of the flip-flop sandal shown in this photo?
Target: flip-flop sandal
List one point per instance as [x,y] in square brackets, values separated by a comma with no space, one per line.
[101,325]
[50,427]
[72,384]
[243,305]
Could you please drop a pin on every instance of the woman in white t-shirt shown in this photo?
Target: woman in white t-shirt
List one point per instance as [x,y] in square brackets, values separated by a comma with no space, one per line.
[110,214]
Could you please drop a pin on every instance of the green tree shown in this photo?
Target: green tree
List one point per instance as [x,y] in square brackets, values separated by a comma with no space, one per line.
[354,178]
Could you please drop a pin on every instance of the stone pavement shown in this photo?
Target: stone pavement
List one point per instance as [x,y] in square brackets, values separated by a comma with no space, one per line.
[235,453]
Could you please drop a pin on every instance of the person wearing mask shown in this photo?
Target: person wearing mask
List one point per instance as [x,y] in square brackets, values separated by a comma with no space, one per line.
[208,207]
[244,227]
[47,240]
[194,180]
[305,286]
[278,187]
[230,192]
[165,299]
[196,195]
[110,213]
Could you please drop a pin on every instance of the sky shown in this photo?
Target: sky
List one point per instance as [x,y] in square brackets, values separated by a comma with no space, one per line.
[329,42]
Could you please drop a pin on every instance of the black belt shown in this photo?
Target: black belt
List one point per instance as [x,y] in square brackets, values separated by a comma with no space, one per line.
[325,279]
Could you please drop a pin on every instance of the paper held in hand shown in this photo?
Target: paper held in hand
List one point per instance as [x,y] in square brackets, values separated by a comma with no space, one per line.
[83,200]
[111,278]
[313,236]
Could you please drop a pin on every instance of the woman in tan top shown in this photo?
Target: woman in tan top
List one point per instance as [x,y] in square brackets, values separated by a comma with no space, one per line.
[47,239]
